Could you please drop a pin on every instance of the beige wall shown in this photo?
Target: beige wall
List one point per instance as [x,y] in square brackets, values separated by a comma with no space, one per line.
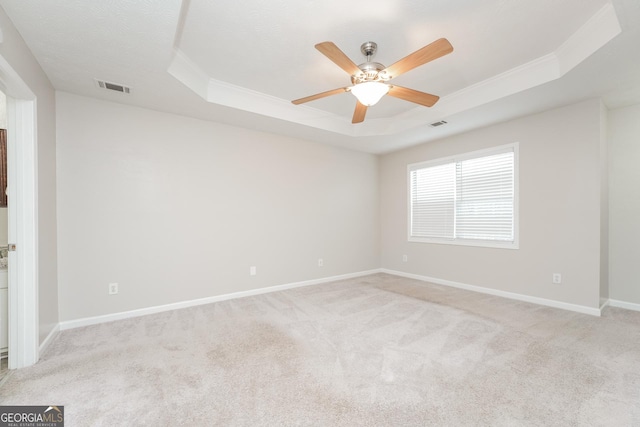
[175,209]
[15,52]
[624,204]
[604,205]
[560,209]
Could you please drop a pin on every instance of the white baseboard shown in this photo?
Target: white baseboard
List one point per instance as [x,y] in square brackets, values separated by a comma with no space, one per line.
[49,339]
[623,304]
[77,323]
[511,295]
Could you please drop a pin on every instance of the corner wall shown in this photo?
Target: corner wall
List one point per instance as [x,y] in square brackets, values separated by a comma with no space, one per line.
[604,206]
[624,204]
[175,209]
[14,50]
[559,205]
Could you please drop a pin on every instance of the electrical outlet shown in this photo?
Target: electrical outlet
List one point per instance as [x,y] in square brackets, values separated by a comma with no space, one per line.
[404,258]
[320,262]
[113,288]
[252,270]
[557,278]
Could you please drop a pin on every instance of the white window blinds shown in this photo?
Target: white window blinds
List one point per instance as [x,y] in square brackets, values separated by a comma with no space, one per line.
[471,199]
[484,199]
[433,201]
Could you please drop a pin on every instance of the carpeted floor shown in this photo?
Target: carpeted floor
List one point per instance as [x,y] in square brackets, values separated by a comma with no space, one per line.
[373,351]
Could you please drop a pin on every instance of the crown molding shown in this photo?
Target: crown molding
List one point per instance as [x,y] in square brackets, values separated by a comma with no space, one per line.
[591,36]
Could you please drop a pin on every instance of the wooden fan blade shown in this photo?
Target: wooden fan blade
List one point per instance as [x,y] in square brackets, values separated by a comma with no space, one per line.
[338,57]
[428,53]
[411,95]
[359,113]
[319,95]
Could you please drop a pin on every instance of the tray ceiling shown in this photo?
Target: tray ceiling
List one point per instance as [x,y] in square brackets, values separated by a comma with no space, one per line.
[242,62]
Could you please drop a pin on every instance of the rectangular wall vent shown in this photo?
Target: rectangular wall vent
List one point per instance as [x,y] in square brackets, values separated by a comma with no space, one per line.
[113,86]
[440,123]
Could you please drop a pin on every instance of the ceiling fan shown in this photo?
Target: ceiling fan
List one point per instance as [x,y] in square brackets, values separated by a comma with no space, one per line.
[370,78]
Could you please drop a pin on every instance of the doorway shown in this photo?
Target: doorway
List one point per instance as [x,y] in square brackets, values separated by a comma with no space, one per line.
[23,341]
[4,228]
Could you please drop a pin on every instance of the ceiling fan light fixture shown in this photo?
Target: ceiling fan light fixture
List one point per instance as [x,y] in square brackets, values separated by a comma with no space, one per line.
[369,79]
[369,93]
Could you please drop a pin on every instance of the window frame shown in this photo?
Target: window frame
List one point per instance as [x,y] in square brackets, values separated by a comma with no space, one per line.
[515,244]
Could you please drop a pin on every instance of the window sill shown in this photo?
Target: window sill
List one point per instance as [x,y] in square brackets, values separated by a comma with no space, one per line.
[467,242]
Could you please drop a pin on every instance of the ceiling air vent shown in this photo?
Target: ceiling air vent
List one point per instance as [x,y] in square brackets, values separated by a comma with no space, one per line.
[113,86]
[440,123]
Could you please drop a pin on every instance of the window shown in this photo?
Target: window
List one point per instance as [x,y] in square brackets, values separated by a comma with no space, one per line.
[469,199]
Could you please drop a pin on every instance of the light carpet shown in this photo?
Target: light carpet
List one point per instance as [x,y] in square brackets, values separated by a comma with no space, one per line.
[373,351]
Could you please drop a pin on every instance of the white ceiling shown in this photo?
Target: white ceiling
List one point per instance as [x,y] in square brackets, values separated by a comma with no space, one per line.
[241,62]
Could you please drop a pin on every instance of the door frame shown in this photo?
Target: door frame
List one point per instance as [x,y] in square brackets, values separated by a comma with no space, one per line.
[22,191]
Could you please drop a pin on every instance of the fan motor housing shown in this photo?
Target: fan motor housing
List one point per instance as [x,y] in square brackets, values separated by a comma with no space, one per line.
[370,71]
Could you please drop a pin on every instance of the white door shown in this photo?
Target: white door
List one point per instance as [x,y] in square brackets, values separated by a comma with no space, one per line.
[23,219]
